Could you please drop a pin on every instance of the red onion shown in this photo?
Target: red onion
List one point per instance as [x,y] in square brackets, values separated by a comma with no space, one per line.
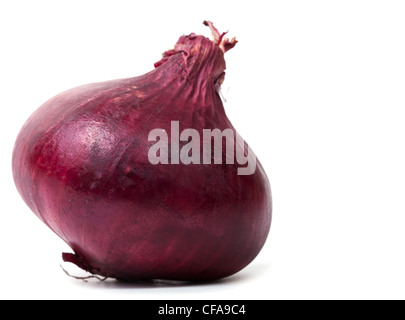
[82,164]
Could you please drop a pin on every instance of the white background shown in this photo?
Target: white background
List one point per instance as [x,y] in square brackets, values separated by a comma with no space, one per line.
[317,88]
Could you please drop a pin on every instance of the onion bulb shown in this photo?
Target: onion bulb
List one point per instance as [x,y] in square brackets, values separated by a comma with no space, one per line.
[130,173]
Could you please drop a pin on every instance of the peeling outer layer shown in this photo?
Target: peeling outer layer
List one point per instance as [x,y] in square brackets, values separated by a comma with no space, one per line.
[82,264]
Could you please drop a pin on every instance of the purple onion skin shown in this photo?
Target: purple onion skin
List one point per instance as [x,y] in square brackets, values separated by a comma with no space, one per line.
[81,164]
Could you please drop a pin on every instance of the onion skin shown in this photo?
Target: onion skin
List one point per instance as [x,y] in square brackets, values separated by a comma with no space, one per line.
[81,164]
